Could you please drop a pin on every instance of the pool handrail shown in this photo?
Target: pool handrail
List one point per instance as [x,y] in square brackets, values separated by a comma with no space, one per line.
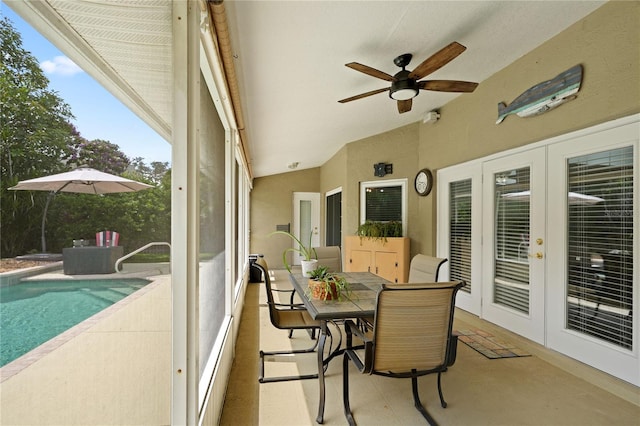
[146,246]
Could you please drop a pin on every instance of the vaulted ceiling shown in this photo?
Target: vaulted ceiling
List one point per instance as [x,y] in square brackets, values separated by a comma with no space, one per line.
[290,59]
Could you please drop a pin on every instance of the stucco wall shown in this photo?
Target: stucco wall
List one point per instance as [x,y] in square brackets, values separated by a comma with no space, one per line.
[272,205]
[398,147]
[333,175]
[605,43]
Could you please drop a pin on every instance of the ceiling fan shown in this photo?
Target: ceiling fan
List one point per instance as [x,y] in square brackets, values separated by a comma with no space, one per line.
[405,85]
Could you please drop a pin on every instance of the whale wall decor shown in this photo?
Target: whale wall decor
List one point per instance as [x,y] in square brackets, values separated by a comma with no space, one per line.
[544,96]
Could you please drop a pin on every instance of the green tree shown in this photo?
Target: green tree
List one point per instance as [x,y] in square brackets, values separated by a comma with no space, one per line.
[140,217]
[36,139]
[101,155]
[155,172]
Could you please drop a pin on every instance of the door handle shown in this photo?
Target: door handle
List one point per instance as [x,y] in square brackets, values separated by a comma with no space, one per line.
[538,255]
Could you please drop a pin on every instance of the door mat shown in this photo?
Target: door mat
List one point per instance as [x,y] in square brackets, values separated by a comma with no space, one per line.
[488,345]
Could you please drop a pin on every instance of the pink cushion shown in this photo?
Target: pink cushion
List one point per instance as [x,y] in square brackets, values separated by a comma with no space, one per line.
[107,239]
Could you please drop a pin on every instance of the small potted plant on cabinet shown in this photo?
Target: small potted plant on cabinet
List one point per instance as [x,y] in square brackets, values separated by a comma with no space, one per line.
[308,253]
[325,285]
[379,230]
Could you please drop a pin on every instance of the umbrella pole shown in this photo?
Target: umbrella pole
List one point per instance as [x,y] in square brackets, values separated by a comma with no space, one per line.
[44,219]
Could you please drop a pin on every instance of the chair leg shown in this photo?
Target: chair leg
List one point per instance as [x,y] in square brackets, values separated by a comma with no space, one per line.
[263,379]
[312,333]
[442,401]
[345,390]
[418,404]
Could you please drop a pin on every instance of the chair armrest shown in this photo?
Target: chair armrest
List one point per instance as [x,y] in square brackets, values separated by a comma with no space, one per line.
[292,306]
[366,323]
[452,350]
[283,290]
[289,290]
[352,329]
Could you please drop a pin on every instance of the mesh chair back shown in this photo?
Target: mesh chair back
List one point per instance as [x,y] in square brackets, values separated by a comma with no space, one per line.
[412,326]
[330,257]
[273,312]
[424,269]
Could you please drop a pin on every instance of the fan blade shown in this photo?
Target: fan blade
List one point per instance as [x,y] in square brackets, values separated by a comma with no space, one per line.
[405,106]
[437,60]
[363,95]
[448,85]
[370,71]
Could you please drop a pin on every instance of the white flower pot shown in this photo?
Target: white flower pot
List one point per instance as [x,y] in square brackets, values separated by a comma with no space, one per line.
[308,266]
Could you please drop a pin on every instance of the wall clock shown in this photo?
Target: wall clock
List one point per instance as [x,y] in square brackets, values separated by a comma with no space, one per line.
[423,182]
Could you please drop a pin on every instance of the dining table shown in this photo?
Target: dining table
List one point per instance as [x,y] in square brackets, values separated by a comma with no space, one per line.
[360,302]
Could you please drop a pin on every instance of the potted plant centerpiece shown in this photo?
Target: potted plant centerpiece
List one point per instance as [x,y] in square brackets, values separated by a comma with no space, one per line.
[325,285]
[308,263]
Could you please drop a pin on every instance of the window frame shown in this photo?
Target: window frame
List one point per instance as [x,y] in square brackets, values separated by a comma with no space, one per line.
[402,183]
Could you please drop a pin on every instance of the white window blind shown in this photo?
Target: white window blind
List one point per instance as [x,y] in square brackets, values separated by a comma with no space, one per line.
[460,232]
[512,239]
[384,203]
[600,245]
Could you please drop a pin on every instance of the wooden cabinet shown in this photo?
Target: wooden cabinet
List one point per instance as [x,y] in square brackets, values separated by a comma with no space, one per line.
[388,258]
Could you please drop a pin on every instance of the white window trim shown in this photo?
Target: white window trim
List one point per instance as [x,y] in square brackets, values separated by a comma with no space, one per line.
[332,192]
[468,301]
[381,183]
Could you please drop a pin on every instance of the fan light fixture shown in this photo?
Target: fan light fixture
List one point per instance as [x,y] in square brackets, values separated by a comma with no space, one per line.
[403,90]
[405,85]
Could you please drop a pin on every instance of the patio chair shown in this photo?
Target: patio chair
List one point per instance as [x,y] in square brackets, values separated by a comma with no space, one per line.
[107,239]
[410,337]
[285,316]
[423,269]
[330,257]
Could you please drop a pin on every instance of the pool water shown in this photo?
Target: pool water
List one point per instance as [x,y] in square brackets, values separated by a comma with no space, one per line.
[33,312]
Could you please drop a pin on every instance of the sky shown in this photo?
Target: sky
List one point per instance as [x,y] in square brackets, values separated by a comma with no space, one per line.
[98,115]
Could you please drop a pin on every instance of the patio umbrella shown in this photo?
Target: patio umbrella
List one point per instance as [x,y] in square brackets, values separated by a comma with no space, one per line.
[82,180]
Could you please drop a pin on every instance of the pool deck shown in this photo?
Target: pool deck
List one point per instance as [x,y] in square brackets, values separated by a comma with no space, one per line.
[70,379]
[134,270]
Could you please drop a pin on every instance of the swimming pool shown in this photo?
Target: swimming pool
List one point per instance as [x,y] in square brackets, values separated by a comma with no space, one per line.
[33,312]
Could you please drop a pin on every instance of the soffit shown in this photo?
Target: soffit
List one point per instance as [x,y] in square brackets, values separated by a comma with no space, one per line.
[125,45]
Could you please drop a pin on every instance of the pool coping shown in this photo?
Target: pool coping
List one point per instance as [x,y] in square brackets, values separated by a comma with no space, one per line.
[14,277]
[19,364]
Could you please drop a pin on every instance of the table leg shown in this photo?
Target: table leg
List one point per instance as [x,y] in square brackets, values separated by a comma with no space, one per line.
[321,340]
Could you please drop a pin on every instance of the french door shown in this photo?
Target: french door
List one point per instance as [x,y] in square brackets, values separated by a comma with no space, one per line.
[460,239]
[514,233]
[306,220]
[593,182]
[558,243]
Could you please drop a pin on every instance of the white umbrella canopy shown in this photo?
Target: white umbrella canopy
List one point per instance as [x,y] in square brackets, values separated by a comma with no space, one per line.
[83,180]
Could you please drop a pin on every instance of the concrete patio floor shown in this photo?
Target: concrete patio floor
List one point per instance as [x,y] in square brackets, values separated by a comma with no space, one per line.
[546,388]
[116,370]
